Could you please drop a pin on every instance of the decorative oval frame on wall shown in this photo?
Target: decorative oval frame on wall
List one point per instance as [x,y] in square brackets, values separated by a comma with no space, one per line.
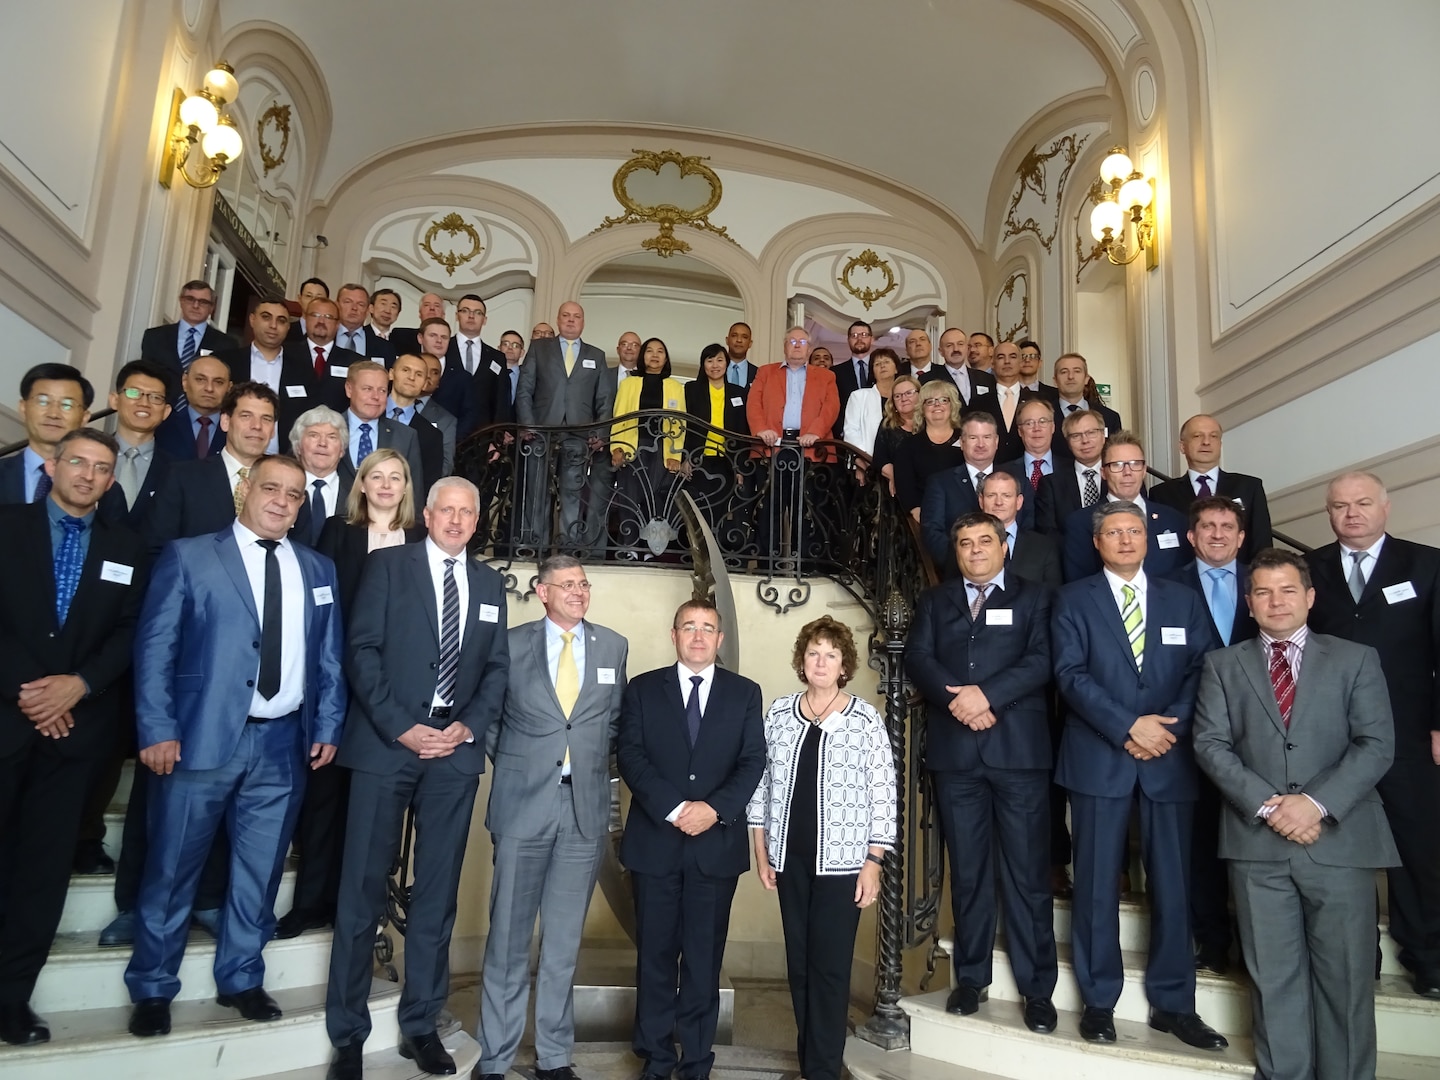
[278,115]
[454,225]
[666,215]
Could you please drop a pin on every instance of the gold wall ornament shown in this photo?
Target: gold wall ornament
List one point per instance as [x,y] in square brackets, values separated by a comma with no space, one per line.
[867,260]
[666,214]
[1018,281]
[454,225]
[1031,176]
[1085,253]
[273,125]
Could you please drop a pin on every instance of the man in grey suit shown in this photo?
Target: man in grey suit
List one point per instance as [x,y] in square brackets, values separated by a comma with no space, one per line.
[564,382]
[549,815]
[1305,886]
[367,387]
[427,660]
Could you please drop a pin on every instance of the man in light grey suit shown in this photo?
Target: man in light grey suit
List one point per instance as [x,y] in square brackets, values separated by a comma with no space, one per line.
[549,815]
[1295,730]
[564,382]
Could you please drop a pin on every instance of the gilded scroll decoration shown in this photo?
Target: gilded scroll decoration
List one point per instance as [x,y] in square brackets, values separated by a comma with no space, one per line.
[452,224]
[273,127]
[1017,283]
[666,214]
[1031,177]
[1086,252]
[868,260]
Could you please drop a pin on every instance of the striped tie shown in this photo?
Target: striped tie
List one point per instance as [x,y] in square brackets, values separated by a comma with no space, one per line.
[1134,624]
[1282,680]
[449,636]
[187,357]
[244,474]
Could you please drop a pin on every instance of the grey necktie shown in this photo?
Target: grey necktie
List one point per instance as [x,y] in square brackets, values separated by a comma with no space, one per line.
[1357,579]
[128,476]
[978,603]
[470,356]
[1091,495]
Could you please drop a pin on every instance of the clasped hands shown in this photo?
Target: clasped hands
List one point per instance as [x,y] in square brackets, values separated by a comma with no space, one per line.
[1295,818]
[428,742]
[1150,736]
[161,758]
[47,702]
[971,707]
[696,817]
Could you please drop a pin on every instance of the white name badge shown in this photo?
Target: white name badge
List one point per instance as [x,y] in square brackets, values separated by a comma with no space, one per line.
[339,372]
[495,366]
[999,617]
[322,595]
[1393,593]
[294,391]
[490,613]
[1238,502]
[605,676]
[737,402]
[587,363]
[832,723]
[982,389]
[207,352]
[1169,540]
[116,572]
[1172,635]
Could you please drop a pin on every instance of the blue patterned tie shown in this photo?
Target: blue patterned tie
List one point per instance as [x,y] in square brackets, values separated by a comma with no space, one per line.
[42,485]
[68,564]
[366,447]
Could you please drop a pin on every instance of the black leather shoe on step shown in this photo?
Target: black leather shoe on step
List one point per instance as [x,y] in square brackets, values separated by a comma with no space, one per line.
[1097,1025]
[965,1000]
[564,1072]
[348,1063]
[297,920]
[1211,961]
[151,1016]
[254,1004]
[1189,1029]
[429,1053]
[19,1026]
[1040,1015]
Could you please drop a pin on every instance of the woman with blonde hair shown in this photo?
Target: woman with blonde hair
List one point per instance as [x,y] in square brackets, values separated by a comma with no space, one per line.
[933,448]
[379,513]
[901,420]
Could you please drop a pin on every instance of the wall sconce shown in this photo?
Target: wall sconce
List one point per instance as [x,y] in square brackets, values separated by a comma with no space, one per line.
[199,119]
[1123,192]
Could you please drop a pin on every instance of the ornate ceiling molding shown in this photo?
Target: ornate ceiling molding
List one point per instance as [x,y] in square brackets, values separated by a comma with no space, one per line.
[1032,178]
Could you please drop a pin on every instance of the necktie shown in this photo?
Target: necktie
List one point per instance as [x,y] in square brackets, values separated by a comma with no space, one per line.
[864,370]
[317,510]
[737,374]
[42,486]
[350,336]
[1357,579]
[692,709]
[1204,482]
[1072,408]
[1091,495]
[127,476]
[569,356]
[187,357]
[1134,624]
[567,676]
[365,447]
[244,474]
[1035,474]
[449,635]
[979,480]
[399,412]
[470,356]
[319,362]
[1283,681]
[1007,405]
[202,438]
[269,681]
[978,603]
[68,563]
[1222,601]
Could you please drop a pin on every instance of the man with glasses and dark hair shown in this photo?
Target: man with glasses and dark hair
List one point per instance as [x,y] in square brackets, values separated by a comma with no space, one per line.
[55,400]
[385,307]
[1081,482]
[311,289]
[141,403]
[1124,464]
[175,345]
[473,385]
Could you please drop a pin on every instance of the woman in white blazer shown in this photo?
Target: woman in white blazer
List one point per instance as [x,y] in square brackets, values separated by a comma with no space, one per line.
[866,407]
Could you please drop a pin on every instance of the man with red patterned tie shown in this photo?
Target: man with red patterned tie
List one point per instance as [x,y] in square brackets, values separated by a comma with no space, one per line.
[1036,426]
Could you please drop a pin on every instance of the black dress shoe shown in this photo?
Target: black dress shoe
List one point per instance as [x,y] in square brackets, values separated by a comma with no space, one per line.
[1061,887]
[478,1075]
[1040,1015]
[297,920]
[1211,961]
[151,1016]
[1097,1025]
[21,1027]
[91,860]
[1427,983]
[1189,1029]
[965,1000]
[254,1004]
[428,1052]
[564,1072]
[348,1063]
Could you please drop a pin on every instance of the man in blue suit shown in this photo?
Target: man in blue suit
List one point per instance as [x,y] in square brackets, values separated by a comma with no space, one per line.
[1128,650]
[238,686]
[1123,464]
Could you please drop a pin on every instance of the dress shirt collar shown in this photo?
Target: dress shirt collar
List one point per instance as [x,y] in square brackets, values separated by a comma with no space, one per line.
[1295,641]
[1081,468]
[996,582]
[553,630]
[1213,475]
[961,377]
[976,470]
[243,536]
[1138,500]
[256,356]
[147,448]
[1231,567]
[407,412]
[232,465]
[326,349]
[383,335]
[707,678]
[55,513]
[1115,581]
[1047,460]
[184,329]
[436,556]
[1373,551]
[1033,386]
[331,482]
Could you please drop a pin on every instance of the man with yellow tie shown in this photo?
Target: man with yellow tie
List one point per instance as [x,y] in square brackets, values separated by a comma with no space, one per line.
[549,815]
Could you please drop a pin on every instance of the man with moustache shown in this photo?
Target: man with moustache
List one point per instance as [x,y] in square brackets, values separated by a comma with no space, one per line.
[327,361]
[55,400]
[980,350]
[739,369]
[193,429]
[977,388]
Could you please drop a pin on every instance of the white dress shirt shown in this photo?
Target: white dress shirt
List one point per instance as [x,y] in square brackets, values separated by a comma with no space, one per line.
[232,468]
[435,557]
[961,377]
[477,352]
[1115,581]
[266,371]
[1138,500]
[1367,564]
[707,680]
[1213,475]
[292,622]
[330,492]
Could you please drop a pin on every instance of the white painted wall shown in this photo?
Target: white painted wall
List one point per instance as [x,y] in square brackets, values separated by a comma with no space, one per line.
[686,323]
[1100,336]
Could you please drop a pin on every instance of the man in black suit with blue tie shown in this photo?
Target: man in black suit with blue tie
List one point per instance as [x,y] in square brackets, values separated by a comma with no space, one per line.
[1129,647]
[979,652]
[55,399]
[691,748]
[175,346]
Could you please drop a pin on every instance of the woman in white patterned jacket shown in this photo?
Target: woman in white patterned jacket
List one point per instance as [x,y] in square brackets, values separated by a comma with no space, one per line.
[822,819]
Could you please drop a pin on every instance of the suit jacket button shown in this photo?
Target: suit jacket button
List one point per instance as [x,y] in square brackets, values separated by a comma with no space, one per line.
[559,764]
[569,726]
[692,776]
[250,683]
[434,666]
[1294,787]
[1289,746]
[254,644]
[51,634]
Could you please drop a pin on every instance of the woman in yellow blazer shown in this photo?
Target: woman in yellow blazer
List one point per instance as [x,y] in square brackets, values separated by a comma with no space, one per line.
[647,452]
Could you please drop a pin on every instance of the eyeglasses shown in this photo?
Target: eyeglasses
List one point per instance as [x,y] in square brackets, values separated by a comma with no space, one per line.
[66,404]
[198,301]
[904,395]
[567,586]
[1086,434]
[935,401]
[798,341]
[1134,532]
[150,397]
[1126,466]
[469,311]
[99,468]
[1043,421]
[699,628]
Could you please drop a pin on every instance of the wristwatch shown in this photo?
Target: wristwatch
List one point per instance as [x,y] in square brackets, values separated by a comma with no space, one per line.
[870,856]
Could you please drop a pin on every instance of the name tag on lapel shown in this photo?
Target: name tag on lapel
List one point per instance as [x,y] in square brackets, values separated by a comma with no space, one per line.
[982,389]
[207,352]
[337,372]
[1168,540]
[490,613]
[605,676]
[322,595]
[1393,593]
[737,402]
[1238,502]
[832,723]
[1172,635]
[587,363]
[495,366]
[294,391]
[999,617]
[119,573]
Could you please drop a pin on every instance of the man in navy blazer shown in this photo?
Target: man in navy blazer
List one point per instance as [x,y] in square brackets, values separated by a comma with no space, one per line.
[979,652]
[691,749]
[238,687]
[1124,466]
[1129,647]
[193,430]
[952,493]
[170,344]
[55,399]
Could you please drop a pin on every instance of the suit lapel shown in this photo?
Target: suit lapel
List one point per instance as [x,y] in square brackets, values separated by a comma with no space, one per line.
[1104,599]
[472,607]
[1316,655]
[542,662]
[1256,666]
[45,557]
[1387,568]
[234,563]
[675,695]
[308,599]
[425,586]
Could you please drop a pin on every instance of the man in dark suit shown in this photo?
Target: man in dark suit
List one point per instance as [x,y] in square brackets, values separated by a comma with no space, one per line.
[140,401]
[1010,391]
[436,413]
[72,589]
[981,351]
[281,366]
[1030,372]
[1072,374]
[1081,479]
[979,653]
[1384,592]
[1200,444]
[193,429]
[174,346]
[952,493]
[311,289]
[1128,651]
[367,388]
[1168,549]
[1305,886]
[691,749]
[319,438]
[918,351]
[427,661]
[327,362]
[229,741]
[408,338]
[854,373]
[472,386]
[385,307]
[353,304]
[1041,454]
[976,388]
[1217,576]
[407,385]
[564,383]
[739,369]
[512,346]
[55,400]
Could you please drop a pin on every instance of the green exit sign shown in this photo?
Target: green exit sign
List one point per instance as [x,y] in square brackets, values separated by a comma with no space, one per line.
[1103,388]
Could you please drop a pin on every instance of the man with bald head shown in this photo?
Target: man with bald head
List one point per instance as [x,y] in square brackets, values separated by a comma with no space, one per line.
[917,353]
[541,329]
[1200,444]
[406,339]
[627,352]
[739,370]
[564,382]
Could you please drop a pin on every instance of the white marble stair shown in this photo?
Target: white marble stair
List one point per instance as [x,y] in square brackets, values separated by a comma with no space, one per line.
[90,903]
[389,1065]
[206,1042]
